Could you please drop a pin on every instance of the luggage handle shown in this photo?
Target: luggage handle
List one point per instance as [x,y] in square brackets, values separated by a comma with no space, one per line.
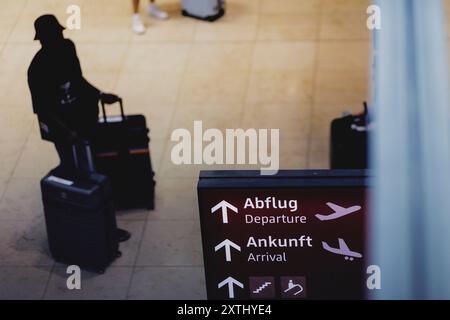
[88,156]
[366,113]
[122,114]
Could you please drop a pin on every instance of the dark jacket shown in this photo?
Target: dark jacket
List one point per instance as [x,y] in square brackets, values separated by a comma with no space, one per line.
[63,100]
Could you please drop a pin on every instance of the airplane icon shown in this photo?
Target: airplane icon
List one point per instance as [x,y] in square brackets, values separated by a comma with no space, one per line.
[339,212]
[342,250]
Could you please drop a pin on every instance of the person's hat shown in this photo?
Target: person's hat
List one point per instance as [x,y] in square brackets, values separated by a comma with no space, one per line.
[46,24]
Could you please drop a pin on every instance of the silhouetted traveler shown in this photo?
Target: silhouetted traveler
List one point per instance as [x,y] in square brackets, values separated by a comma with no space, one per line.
[65,102]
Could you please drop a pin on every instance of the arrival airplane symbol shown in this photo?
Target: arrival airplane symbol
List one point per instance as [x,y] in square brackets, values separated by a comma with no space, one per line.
[342,250]
[230,282]
[227,244]
[224,206]
[339,212]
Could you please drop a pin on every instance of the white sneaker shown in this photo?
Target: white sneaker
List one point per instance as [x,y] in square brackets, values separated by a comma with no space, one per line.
[137,25]
[155,12]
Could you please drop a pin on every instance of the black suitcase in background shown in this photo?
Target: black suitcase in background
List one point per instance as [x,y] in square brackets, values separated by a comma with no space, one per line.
[122,153]
[348,145]
[80,219]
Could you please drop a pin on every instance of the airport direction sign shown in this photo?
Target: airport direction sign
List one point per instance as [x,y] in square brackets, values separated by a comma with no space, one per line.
[294,235]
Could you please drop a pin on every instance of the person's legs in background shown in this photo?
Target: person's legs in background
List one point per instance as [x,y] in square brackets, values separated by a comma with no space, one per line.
[153,11]
[137,24]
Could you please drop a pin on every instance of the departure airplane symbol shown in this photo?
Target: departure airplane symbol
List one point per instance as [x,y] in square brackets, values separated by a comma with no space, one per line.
[343,250]
[339,212]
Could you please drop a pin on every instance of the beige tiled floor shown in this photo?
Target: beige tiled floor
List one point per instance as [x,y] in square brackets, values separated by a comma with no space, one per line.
[287,64]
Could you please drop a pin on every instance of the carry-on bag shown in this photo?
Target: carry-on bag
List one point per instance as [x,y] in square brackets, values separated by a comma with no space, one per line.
[122,153]
[80,218]
[348,145]
[207,10]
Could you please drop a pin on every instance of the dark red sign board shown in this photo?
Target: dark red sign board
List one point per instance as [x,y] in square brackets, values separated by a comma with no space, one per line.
[294,235]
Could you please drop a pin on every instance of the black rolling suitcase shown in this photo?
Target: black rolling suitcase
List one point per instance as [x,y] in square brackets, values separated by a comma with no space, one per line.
[348,145]
[80,219]
[122,153]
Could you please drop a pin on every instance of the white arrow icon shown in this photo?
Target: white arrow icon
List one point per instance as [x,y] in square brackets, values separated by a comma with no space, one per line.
[227,244]
[230,282]
[224,206]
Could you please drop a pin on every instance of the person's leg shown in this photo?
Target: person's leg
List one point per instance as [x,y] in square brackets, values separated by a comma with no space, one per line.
[135,6]
[85,158]
[65,153]
[136,23]
[155,12]
[121,234]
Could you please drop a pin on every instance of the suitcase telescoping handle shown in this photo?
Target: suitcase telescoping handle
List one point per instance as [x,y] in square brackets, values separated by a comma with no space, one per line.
[122,114]
[366,113]
[88,153]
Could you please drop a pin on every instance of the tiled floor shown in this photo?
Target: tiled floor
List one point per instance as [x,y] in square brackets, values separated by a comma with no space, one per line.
[287,64]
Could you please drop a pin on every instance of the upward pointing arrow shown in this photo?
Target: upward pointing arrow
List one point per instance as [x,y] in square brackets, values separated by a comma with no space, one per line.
[227,244]
[230,282]
[224,206]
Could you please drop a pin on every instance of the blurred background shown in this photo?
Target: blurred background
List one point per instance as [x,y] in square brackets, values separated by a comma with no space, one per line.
[288,64]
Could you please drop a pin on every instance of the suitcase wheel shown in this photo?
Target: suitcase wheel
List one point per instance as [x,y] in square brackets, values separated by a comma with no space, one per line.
[101,271]
[118,254]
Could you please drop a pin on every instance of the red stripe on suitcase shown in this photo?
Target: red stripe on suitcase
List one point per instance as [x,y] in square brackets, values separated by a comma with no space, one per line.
[139,151]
